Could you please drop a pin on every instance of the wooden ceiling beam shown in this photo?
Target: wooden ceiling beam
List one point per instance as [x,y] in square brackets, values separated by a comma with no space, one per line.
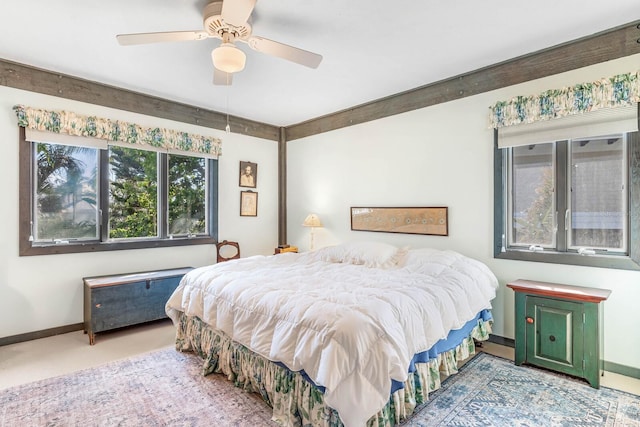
[605,46]
[37,80]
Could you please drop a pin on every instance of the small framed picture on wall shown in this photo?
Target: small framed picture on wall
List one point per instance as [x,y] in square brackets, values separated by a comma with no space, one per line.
[248,174]
[248,203]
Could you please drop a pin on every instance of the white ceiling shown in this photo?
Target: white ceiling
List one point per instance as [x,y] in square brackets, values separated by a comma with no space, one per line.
[371,48]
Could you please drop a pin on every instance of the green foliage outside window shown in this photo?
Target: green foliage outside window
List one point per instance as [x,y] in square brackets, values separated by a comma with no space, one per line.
[66,189]
[152,199]
[536,226]
[133,193]
[187,195]
[66,192]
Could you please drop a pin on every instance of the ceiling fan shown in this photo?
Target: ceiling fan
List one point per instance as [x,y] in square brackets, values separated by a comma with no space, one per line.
[228,21]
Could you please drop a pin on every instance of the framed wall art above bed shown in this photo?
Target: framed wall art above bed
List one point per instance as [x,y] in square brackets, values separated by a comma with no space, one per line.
[409,220]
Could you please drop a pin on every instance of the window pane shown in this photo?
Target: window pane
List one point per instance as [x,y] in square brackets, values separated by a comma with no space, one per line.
[65,193]
[532,190]
[187,195]
[598,194]
[133,193]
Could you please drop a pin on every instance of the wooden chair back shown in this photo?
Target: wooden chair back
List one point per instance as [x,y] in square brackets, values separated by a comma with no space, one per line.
[227,251]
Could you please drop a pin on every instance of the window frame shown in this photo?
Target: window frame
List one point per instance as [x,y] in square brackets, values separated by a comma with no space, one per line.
[28,248]
[630,261]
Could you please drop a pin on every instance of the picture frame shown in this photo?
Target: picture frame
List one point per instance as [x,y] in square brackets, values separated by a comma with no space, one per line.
[408,220]
[248,203]
[248,176]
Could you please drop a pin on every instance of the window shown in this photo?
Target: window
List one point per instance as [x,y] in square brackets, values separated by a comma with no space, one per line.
[133,193]
[65,194]
[598,187]
[187,195]
[532,207]
[569,201]
[81,199]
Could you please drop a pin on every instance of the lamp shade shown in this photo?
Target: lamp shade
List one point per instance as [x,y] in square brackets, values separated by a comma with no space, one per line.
[312,220]
[228,58]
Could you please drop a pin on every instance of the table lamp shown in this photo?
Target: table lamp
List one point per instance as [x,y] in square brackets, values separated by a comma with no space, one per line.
[312,221]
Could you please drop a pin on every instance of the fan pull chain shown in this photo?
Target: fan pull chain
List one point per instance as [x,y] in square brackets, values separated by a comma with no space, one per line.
[227,128]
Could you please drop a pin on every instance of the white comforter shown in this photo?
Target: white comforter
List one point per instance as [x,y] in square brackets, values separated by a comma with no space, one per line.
[349,327]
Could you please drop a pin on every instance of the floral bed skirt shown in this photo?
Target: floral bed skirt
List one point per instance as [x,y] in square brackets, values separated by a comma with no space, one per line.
[295,401]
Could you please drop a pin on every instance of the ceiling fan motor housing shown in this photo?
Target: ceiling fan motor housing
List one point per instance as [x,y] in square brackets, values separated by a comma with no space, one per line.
[217,27]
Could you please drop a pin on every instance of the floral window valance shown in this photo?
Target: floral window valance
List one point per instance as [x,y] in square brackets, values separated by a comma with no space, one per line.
[616,91]
[64,122]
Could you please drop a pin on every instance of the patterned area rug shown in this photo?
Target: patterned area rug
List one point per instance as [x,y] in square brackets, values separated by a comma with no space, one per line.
[166,388]
[162,388]
[491,391]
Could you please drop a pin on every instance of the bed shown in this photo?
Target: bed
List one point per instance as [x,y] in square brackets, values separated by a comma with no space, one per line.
[353,334]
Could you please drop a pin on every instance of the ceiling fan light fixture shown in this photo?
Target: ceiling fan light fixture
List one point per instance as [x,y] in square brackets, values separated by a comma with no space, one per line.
[228,58]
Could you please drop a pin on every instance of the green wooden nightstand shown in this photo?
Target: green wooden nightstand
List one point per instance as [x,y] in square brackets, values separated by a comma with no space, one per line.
[559,327]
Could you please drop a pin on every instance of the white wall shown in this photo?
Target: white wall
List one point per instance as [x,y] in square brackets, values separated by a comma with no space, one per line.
[443,156]
[42,292]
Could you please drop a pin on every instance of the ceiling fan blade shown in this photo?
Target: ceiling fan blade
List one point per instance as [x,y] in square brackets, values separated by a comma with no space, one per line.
[171,36]
[290,53]
[237,12]
[221,78]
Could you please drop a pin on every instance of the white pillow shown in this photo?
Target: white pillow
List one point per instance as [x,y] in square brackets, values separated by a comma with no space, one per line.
[330,253]
[369,254]
[421,256]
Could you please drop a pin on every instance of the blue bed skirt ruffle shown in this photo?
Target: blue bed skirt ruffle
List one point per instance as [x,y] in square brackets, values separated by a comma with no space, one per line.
[453,340]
